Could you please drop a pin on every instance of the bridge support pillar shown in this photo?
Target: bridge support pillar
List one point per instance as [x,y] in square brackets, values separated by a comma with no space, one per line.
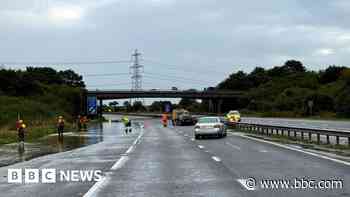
[219,105]
[211,106]
[100,109]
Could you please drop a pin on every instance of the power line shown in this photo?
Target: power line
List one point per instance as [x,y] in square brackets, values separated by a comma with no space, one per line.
[115,84]
[147,73]
[67,63]
[105,74]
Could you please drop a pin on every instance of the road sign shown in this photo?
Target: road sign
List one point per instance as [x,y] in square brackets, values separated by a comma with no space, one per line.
[92,105]
[167,107]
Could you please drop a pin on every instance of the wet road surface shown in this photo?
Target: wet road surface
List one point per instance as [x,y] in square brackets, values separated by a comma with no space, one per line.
[157,161]
[99,156]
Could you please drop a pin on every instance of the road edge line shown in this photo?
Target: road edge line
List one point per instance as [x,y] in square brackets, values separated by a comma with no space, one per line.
[298,150]
[118,164]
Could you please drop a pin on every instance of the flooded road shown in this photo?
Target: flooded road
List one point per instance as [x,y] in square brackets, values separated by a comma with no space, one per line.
[97,132]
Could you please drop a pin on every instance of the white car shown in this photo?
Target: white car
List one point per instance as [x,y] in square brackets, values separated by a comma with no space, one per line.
[214,126]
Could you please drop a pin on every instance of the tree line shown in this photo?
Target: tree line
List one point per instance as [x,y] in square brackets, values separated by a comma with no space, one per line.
[39,93]
[292,90]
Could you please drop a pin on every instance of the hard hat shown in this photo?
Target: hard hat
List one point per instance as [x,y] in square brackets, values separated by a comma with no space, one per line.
[24,126]
[20,121]
[60,117]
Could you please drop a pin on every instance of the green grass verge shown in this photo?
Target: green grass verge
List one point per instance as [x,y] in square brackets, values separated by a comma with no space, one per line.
[33,134]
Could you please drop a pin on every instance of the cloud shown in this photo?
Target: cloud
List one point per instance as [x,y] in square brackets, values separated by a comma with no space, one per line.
[324,52]
[61,14]
[199,34]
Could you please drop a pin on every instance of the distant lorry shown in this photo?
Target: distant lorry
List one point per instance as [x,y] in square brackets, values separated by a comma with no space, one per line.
[183,117]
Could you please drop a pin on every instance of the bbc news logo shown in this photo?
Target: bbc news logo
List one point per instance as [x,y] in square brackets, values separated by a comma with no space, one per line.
[25,176]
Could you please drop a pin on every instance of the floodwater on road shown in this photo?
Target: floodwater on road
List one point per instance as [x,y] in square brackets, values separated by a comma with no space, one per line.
[97,132]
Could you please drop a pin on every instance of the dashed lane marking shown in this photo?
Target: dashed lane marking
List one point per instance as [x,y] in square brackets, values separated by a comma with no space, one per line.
[215,158]
[233,146]
[121,161]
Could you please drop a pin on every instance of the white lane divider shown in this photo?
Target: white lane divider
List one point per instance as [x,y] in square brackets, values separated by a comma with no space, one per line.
[93,191]
[200,146]
[215,158]
[233,146]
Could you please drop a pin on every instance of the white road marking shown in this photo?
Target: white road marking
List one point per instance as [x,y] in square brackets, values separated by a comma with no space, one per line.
[263,151]
[200,146]
[233,146]
[243,182]
[217,159]
[121,161]
[298,150]
[192,139]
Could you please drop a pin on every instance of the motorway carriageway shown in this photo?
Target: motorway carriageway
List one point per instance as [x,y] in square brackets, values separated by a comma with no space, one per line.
[157,161]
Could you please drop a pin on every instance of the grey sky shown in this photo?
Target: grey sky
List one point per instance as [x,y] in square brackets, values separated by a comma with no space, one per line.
[203,40]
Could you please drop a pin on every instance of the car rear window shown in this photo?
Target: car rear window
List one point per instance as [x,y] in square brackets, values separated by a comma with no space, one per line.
[208,120]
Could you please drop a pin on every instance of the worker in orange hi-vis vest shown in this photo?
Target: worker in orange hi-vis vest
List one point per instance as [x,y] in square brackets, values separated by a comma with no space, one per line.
[21,131]
[165,119]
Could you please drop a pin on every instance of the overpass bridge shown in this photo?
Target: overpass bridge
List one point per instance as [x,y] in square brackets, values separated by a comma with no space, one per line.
[215,97]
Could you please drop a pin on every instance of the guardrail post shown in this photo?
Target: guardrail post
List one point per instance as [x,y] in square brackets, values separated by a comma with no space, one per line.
[337,138]
[310,136]
[318,138]
[288,132]
[282,132]
[295,134]
[348,141]
[302,135]
[328,142]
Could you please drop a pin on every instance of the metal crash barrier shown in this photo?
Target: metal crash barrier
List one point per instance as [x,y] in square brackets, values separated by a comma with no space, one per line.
[295,132]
